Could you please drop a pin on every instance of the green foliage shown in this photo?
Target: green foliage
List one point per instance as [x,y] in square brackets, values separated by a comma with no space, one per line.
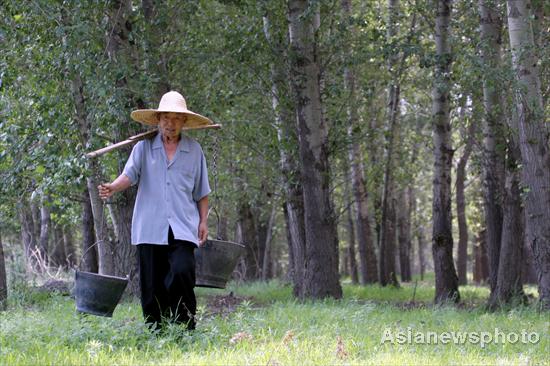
[285,331]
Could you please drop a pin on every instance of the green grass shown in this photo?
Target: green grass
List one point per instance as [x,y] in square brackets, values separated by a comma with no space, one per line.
[44,329]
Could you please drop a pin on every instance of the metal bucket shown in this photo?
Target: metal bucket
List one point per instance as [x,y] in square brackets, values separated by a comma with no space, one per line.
[98,294]
[215,260]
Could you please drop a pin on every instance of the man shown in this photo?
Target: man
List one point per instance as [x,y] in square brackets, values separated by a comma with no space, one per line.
[170,213]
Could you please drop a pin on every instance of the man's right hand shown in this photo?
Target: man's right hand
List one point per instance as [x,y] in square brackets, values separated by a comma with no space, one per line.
[105,190]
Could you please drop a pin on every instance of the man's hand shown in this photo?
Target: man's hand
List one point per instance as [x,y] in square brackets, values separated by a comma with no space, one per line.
[203,233]
[105,190]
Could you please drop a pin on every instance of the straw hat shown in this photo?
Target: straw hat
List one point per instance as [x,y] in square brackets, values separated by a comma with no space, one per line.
[170,102]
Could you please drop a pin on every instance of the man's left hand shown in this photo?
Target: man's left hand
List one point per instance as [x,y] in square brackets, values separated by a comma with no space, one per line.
[203,233]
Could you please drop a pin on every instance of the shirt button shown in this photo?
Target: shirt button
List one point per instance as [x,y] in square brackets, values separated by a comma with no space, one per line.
[169,216]
[167,183]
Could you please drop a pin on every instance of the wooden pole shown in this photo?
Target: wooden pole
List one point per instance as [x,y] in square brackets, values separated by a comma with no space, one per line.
[142,136]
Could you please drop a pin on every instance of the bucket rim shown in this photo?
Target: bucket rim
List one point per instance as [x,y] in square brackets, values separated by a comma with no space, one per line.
[92,274]
[226,242]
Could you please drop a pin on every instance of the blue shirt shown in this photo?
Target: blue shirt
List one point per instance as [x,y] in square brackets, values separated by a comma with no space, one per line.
[168,192]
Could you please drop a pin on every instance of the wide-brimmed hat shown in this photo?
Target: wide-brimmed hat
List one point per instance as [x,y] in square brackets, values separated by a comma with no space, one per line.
[170,102]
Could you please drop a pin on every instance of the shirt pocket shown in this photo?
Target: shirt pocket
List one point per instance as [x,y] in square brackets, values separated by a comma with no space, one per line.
[186,180]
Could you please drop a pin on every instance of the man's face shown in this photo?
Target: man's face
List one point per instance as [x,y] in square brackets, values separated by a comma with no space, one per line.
[171,123]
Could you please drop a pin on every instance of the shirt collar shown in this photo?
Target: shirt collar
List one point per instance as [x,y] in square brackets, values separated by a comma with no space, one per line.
[183,144]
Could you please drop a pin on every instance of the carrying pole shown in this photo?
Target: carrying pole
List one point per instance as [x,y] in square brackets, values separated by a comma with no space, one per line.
[142,136]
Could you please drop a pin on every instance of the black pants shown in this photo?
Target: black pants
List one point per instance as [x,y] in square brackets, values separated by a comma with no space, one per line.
[167,279]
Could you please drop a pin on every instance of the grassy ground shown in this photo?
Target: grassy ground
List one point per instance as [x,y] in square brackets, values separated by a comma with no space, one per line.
[263,325]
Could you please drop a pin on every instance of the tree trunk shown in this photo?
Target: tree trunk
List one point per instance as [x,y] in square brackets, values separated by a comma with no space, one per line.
[462,262]
[350,264]
[38,254]
[153,39]
[45,224]
[289,275]
[529,272]
[261,224]
[493,142]
[534,135]
[106,253]
[404,237]
[266,262]
[367,254]
[388,228]
[250,267]
[321,277]
[386,256]
[287,137]
[35,221]
[3,279]
[125,253]
[68,243]
[421,255]
[28,239]
[509,288]
[446,280]
[58,256]
[89,251]
[481,261]
[121,51]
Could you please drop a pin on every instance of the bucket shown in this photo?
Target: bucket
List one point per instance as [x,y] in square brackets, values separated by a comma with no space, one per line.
[215,260]
[98,294]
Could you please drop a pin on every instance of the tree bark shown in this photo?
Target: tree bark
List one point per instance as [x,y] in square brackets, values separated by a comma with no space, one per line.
[266,262]
[105,249]
[287,137]
[421,238]
[321,276]
[462,261]
[68,243]
[250,267]
[387,230]
[446,280]
[35,220]
[121,212]
[534,135]
[45,225]
[121,50]
[88,260]
[28,239]
[57,256]
[509,288]
[493,142]
[367,254]
[350,263]
[481,261]
[3,279]
[404,237]
[529,271]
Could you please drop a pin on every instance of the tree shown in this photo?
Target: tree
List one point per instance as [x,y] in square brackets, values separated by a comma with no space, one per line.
[446,280]
[321,277]
[367,254]
[3,278]
[388,227]
[462,261]
[288,141]
[493,143]
[534,141]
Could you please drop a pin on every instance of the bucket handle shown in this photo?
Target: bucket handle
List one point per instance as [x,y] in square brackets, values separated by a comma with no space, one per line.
[86,252]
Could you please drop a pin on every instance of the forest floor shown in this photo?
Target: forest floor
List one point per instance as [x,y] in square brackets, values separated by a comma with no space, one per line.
[262,324]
